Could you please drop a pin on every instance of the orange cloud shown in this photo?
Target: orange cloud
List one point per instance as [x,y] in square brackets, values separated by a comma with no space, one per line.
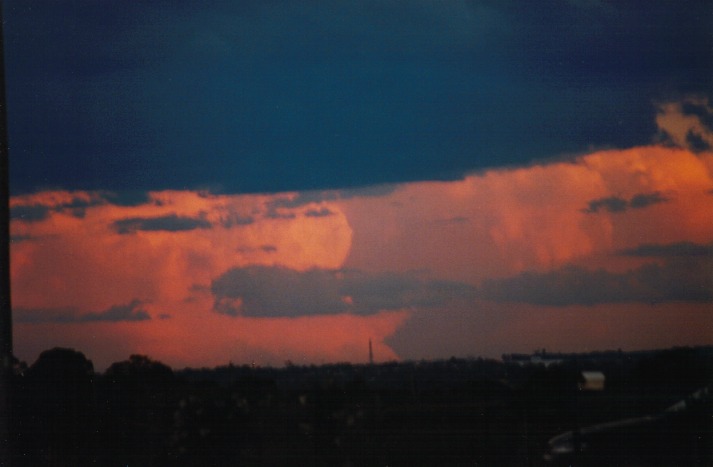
[94,261]
[163,253]
[505,221]
[77,252]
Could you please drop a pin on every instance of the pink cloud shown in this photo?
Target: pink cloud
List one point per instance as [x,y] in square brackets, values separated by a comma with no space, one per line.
[85,254]
[534,217]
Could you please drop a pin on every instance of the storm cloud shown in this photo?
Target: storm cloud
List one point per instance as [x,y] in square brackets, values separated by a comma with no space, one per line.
[258,96]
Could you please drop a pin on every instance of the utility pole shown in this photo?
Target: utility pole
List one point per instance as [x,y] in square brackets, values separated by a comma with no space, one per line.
[6,355]
[371,354]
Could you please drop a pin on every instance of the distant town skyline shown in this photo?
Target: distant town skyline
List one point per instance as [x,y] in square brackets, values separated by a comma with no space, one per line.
[264,182]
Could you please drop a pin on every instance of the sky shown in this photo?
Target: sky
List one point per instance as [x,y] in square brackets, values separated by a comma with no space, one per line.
[267,181]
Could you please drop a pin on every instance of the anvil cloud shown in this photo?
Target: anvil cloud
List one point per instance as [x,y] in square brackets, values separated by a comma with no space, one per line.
[484,254]
[271,181]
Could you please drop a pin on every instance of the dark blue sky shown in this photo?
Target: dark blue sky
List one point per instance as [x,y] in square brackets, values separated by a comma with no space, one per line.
[265,96]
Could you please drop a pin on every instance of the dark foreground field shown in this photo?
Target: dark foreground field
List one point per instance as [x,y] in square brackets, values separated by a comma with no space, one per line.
[453,412]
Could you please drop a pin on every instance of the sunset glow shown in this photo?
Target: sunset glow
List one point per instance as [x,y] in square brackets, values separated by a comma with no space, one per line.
[75,255]
[259,182]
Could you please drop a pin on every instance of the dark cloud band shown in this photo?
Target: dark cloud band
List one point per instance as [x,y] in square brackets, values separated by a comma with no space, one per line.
[265,291]
[573,285]
[616,204]
[169,223]
[132,311]
[257,96]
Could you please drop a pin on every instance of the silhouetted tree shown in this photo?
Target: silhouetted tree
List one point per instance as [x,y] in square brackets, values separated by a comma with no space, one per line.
[141,371]
[55,410]
[136,395]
